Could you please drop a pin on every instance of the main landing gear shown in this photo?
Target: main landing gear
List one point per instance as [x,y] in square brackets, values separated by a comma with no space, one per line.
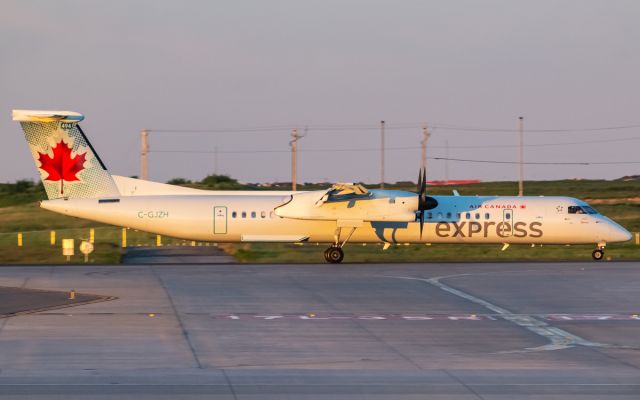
[334,254]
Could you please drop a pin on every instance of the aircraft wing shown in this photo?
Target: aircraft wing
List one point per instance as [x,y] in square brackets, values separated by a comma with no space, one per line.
[350,202]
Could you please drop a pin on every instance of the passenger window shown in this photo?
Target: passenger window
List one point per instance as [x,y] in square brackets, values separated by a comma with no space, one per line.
[439,215]
[448,215]
[271,214]
[244,214]
[253,214]
[486,216]
[234,214]
[468,215]
[507,216]
[458,215]
[477,215]
[263,214]
[429,215]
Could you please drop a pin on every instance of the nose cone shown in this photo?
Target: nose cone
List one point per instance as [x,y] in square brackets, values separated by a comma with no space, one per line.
[617,233]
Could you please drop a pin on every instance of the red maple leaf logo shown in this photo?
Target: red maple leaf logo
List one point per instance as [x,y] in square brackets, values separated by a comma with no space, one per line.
[62,167]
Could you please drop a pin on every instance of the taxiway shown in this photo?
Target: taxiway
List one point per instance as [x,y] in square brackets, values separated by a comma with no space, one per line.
[401,331]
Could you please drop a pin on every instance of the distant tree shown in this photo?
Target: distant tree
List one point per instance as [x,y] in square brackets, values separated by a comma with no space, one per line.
[224,182]
[179,181]
[212,180]
[23,186]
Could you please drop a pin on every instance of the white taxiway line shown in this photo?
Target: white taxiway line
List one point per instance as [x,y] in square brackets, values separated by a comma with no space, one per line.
[559,339]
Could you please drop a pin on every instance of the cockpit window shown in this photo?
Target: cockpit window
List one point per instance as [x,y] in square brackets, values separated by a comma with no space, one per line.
[581,210]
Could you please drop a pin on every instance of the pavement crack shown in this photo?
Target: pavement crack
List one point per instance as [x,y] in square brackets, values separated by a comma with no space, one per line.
[231,388]
[461,382]
[185,333]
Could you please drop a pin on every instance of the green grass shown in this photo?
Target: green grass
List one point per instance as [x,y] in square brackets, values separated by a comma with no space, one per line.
[37,249]
[20,212]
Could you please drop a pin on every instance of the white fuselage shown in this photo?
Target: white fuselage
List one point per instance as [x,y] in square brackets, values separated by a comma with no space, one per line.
[78,184]
[253,217]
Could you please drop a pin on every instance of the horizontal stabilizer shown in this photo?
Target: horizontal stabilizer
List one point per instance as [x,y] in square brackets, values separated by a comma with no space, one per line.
[46,116]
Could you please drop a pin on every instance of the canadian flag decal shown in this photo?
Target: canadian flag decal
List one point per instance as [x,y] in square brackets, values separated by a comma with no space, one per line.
[62,167]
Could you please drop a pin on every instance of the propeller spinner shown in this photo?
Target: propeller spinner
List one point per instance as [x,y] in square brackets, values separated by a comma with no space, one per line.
[424,202]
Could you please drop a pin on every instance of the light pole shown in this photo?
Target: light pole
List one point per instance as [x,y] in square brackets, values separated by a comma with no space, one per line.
[446,160]
[382,154]
[521,158]
[423,142]
[144,154]
[294,158]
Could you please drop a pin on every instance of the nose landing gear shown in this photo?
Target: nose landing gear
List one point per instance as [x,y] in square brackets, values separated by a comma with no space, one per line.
[598,254]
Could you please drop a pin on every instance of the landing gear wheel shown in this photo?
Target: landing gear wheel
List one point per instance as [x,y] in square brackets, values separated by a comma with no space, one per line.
[598,254]
[334,255]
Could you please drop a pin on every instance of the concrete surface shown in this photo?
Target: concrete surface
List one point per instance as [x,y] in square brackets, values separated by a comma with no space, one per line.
[405,331]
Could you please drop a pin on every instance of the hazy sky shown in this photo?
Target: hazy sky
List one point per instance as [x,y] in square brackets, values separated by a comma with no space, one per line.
[129,65]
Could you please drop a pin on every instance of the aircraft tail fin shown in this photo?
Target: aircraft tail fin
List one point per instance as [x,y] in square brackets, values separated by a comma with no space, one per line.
[68,165]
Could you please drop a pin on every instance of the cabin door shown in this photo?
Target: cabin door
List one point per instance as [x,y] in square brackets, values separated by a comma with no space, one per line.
[219,220]
[507,222]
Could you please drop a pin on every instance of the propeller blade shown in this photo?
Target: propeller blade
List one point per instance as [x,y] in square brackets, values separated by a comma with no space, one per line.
[422,191]
[424,202]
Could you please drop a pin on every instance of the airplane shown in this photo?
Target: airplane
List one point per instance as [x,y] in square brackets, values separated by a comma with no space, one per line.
[78,184]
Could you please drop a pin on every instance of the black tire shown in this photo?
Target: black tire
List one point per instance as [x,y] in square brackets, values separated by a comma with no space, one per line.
[598,255]
[334,255]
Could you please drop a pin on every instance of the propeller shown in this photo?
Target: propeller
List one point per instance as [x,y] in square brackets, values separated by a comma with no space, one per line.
[424,202]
